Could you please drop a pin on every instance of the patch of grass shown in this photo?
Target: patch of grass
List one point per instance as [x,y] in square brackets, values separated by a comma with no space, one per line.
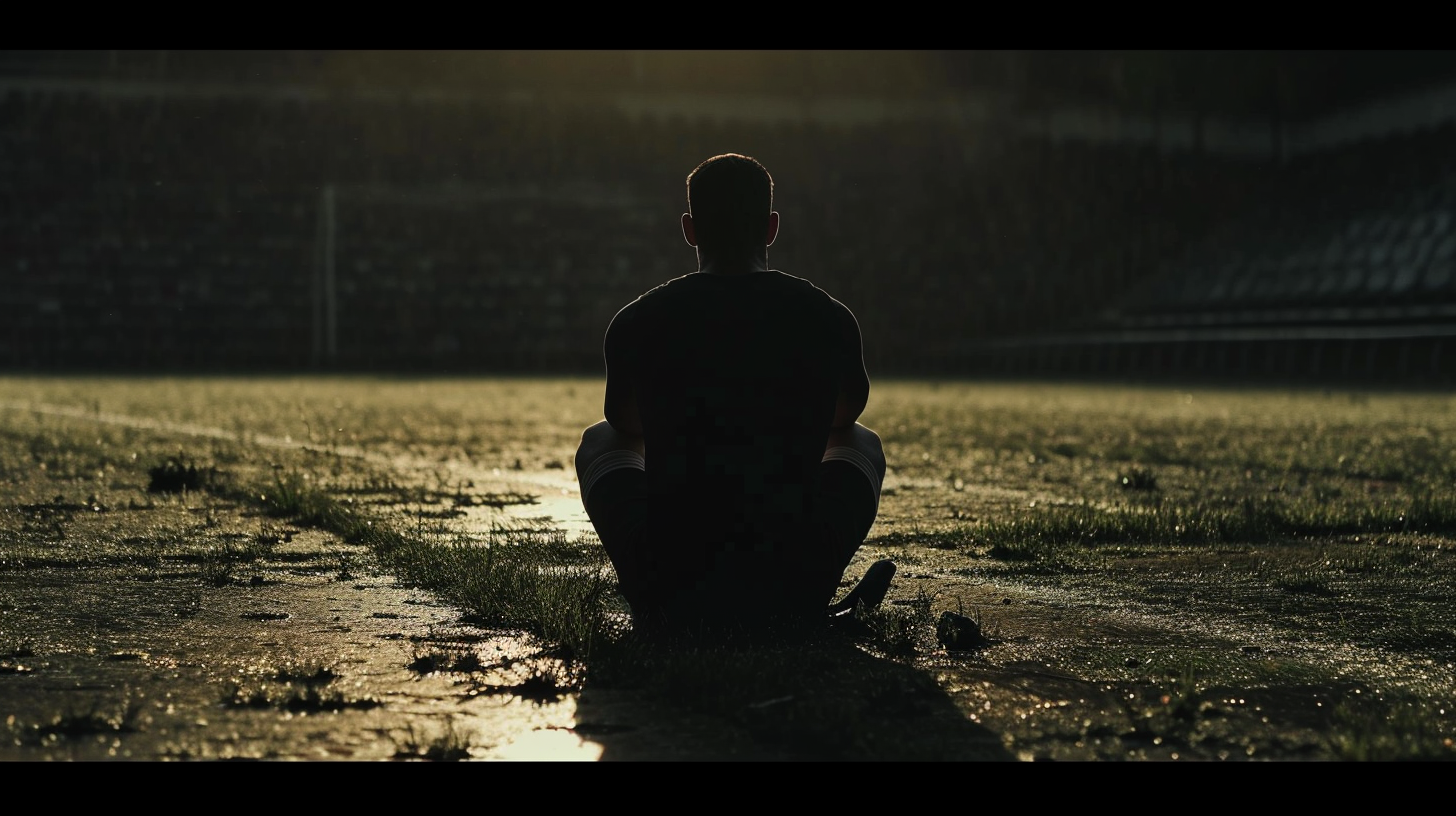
[515,581]
[1304,582]
[1009,545]
[1138,478]
[533,580]
[306,674]
[99,716]
[1041,533]
[540,678]
[295,688]
[1181,699]
[448,743]
[294,494]
[219,562]
[17,649]
[178,474]
[946,539]
[1405,730]
[461,660]
[1245,489]
[496,500]
[898,630]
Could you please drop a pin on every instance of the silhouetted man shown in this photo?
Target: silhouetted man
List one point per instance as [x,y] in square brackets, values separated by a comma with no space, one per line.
[730,482]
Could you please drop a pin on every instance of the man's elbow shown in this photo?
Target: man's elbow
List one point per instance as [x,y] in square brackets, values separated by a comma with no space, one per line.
[628,429]
[625,422]
[848,411]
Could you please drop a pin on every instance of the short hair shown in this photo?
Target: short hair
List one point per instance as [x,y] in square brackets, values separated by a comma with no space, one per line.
[730,197]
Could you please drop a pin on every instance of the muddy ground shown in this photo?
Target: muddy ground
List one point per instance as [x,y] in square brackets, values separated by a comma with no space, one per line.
[146,625]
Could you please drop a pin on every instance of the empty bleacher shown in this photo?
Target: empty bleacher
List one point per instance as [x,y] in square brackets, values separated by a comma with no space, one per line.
[189,231]
[1343,269]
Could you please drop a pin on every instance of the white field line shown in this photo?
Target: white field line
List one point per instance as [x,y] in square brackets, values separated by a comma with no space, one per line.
[558,496]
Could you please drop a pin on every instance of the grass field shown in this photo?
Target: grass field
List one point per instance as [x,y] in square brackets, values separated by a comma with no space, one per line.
[1154,572]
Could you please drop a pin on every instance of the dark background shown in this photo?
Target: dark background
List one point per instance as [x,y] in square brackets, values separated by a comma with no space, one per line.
[482,212]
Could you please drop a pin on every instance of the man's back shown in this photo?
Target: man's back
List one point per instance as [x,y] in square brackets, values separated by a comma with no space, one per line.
[729,480]
[736,380]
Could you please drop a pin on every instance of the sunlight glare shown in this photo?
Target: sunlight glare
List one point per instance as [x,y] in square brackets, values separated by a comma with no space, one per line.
[550,745]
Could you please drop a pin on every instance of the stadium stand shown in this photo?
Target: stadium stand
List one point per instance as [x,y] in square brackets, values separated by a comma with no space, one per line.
[245,223]
[1351,247]
[185,232]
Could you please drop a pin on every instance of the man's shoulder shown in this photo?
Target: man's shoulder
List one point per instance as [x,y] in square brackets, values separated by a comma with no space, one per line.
[647,298]
[666,289]
[811,289]
[694,288]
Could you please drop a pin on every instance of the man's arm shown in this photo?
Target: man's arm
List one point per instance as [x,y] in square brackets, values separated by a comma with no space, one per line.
[620,405]
[854,390]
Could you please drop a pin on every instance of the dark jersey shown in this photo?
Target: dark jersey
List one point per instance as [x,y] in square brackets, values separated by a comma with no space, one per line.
[736,380]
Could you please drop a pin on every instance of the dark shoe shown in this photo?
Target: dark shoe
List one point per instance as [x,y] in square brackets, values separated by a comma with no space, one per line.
[870,590]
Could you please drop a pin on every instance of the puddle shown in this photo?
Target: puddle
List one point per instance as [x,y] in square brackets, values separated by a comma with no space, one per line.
[558,501]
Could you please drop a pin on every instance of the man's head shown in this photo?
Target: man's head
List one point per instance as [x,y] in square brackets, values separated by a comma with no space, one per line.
[730,206]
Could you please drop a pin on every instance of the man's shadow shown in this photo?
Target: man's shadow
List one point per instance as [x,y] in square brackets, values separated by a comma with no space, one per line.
[821,698]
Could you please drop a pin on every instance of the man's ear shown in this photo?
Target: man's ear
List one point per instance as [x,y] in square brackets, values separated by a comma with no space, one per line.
[689,234]
[773,228]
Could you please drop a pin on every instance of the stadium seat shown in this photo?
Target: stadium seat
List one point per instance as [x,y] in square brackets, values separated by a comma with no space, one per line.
[1438,272]
[1377,280]
[1440,222]
[1403,265]
[1215,287]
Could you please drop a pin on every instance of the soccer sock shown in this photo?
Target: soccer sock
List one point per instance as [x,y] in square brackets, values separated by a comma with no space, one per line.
[844,453]
[608,462]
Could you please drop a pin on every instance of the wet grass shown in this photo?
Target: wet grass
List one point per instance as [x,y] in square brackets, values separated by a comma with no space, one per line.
[460,659]
[92,717]
[533,580]
[1312,516]
[295,688]
[1402,731]
[1197,520]
[446,743]
[176,476]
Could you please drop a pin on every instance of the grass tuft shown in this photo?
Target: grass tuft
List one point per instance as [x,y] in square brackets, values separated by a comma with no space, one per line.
[178,474]
[1404,733]
[447,744]
[525,579]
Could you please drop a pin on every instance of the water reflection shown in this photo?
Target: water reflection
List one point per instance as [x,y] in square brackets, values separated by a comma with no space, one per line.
[549,745]
[557,503]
